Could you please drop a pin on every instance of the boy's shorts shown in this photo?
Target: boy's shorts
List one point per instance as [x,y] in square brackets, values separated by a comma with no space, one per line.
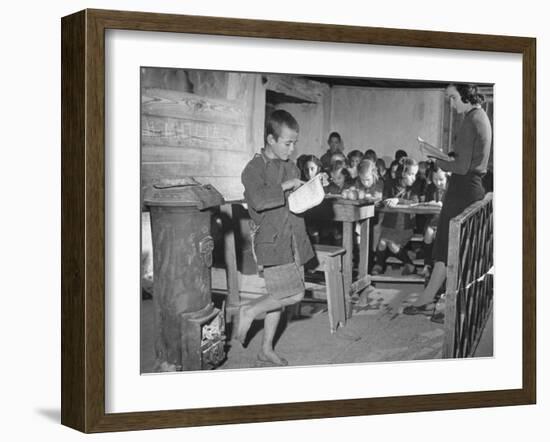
[284,280]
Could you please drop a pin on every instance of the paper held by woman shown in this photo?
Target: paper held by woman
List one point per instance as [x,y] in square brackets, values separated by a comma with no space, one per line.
[307,196]
[431,151]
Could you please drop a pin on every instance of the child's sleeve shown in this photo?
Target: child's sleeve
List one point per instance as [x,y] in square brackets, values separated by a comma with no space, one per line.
[429,194]
[259,194]
[387,190]
[378,189]
[411,197]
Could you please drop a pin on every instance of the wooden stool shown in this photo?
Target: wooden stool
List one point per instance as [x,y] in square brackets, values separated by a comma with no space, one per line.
[330,262]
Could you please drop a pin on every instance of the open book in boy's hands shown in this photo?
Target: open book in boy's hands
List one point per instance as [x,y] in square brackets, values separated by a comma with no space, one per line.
[432,151]
[307,196]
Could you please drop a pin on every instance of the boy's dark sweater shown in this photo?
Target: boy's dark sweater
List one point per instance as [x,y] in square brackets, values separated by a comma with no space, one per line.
[268,207]
[405,195]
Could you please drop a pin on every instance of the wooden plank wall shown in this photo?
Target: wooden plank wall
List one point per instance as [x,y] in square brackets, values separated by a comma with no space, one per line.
[205,126]
[311,113]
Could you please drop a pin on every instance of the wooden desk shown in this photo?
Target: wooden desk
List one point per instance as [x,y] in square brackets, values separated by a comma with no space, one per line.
[415,209]
[349,212]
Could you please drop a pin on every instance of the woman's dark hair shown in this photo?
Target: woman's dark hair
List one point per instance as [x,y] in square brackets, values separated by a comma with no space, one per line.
[276,120]
[380,163]
[469,93]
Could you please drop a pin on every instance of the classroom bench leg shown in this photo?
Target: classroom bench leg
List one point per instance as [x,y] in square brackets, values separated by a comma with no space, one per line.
[335,293]
[230,258]
[347,243]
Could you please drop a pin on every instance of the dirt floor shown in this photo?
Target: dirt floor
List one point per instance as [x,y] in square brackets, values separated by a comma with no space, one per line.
[376,332]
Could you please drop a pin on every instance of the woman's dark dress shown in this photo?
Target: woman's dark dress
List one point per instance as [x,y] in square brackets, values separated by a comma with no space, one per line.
[472,149]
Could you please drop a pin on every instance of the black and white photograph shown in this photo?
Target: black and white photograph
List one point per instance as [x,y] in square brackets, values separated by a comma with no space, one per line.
[253,221]
[302,220]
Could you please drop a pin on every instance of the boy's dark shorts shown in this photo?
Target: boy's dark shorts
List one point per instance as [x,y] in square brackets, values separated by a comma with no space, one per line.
[284,280]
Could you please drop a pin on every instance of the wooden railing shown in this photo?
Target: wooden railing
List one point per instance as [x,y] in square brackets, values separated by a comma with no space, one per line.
[469,289]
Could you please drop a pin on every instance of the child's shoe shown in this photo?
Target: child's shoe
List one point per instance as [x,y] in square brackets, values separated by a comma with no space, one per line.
[408,269]
[377,270]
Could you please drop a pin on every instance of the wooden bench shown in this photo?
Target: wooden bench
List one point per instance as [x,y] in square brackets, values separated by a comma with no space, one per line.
[393,260]
[330,263]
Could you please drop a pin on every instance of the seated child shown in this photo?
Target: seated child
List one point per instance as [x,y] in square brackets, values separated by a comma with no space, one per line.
[421,180]
[420,189]
[311,166]
[337,157]
[434,194]
[314,217]
[400,153]
[397,228]
[392,171]
[381,169]
[300,161]
[368,180]
[370,155]
[340,178]
[354,158]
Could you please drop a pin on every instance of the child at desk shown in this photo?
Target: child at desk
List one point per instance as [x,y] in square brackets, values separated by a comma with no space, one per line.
[311,166]
[368,181]
[434,194]
[370,154]
[354,158]
[382,170]
[340,178]
[314,217]
[397,228]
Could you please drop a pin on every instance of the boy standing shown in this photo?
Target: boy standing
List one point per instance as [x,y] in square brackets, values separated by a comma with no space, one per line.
[279,240]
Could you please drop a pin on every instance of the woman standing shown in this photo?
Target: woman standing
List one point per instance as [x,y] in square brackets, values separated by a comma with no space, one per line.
[470,157]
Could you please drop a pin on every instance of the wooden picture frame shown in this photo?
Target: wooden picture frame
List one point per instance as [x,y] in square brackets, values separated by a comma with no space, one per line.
[83,220]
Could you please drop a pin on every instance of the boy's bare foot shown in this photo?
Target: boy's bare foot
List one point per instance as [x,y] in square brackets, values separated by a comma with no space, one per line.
[242,323]
[272,358]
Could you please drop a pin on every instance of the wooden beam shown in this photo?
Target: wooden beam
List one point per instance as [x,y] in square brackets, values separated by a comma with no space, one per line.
[295,87]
